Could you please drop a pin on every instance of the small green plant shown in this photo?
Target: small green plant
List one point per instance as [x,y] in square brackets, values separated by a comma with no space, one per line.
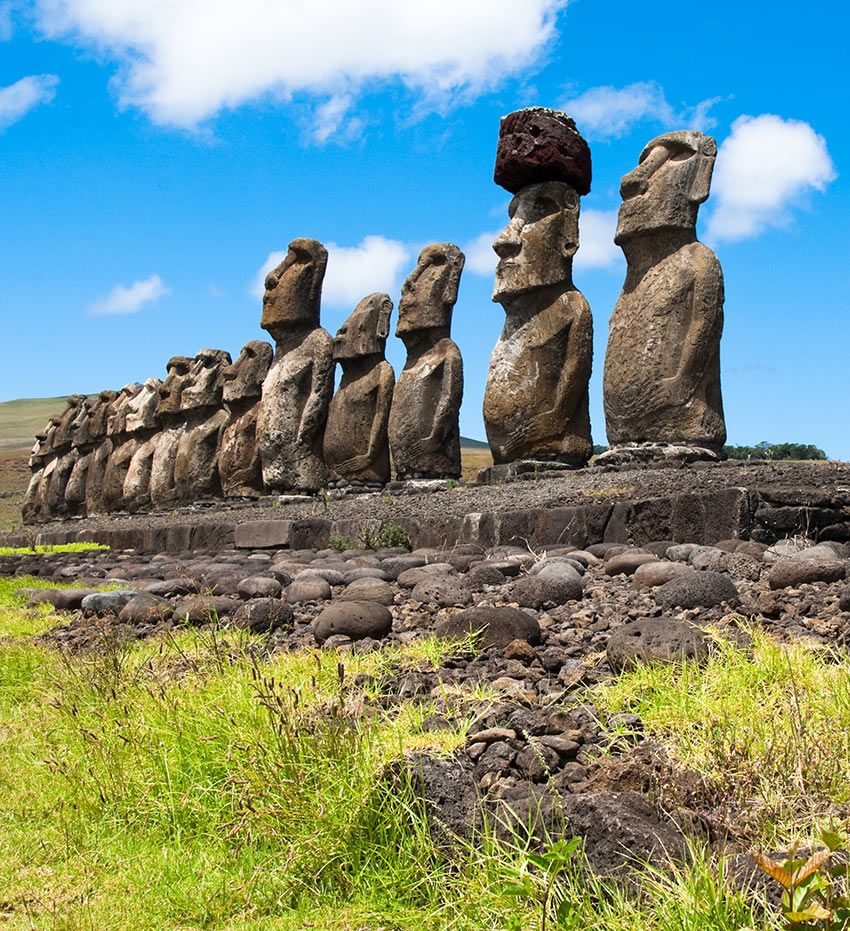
[342,544]
[814,889]
[46,549]
[452,483]
[538,881]
[389,535]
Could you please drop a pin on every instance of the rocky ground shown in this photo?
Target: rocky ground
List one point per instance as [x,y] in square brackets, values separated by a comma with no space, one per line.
[549,490]
[546,624]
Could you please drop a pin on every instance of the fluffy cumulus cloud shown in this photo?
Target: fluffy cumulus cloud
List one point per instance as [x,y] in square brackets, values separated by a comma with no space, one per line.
[596,250]
[765,168]
[610,112]
[19,98]
[376,264]
[184,62]
[130,299]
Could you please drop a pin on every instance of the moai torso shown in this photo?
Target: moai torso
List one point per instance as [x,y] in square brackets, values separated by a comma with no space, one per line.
[424,432]
[662,365]
[239,466]
[101,449]
[356,445]
[66,455]
[297,390]
[81,446]
[196,462]
[123,447]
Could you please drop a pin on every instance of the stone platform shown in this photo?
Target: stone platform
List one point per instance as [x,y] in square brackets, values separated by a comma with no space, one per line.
[702,502]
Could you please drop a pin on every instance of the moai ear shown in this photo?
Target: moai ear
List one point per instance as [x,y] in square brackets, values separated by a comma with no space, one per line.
[701,184]
[383,330]
[456,262]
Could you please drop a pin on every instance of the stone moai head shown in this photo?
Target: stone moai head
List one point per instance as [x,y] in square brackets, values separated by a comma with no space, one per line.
[672,179]
[81,427]
[429,294]
[293,293]
[244,378]
[537,246]
[176,379]
[116,421]
[366,330]
[206,380]
[141,411]
[66,420]
[100,413]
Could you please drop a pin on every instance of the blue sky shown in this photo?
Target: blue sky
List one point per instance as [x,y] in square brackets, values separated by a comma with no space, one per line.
[154,156]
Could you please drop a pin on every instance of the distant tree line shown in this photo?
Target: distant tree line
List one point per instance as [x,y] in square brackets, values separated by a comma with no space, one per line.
[763,451]
[775,451]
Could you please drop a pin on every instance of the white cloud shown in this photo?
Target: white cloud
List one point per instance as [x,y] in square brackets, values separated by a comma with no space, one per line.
[129,299]
[184,62]
[596,249]
[353,272]
[19,98]
[765,167]
[596,238]
[607,112]
[6,26]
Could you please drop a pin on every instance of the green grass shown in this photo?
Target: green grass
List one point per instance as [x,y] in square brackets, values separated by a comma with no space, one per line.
[195,782]
[768,726]
[47,548]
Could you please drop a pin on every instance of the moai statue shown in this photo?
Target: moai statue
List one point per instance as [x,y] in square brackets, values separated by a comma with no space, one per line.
[356,441]
[196,463]
[423,428]
[297,391]
[123,447]
[75,486]
[34,508]
[143,426]
[662,366]
[65,454]
[536,401]
[101,448]
[163,491]
[239,468]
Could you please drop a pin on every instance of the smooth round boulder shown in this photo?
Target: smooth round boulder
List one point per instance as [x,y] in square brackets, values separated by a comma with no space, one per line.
[496,627]
[482,574]
[263,615]
[106,603]
[844,600]
[202,609]
[310,589]
[146,609]
[538,591]
[63,599]
[368,589]
[655,640]
[627,563]
[331,576]
[653,574]
[410,578]
[354,619]
[789,573]
[553,565]
[444,590]
[259,586]
[696,590]
[167,588]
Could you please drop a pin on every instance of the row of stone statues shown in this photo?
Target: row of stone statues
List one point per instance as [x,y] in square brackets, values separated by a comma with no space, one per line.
[271,422]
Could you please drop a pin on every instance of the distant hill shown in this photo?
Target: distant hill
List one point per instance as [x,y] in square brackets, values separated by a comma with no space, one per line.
[20,421]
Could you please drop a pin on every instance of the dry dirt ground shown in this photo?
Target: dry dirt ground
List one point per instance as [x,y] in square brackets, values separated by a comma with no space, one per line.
[14,476]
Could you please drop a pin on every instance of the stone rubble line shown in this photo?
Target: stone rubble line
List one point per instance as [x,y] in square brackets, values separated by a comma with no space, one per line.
[271,423]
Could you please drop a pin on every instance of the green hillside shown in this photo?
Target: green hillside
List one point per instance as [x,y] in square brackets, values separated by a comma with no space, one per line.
[20,420]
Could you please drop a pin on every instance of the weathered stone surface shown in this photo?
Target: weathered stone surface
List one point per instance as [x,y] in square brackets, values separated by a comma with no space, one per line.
[202,609]
[424,432]
[538,144]
[536,400]
[445,590]
[655,640]
[627,563]
[146,609]
[143,424]
[356,444]
[368,589]
[315,589]
[497,626]
[262,615]
[123,445]
[262,534]
[163,491]
[107,602]
[63,599]
[653,574]
[538,591]
[354,619]
[297,390]
[662,365]
[412,577]
[259,586]
[239,466]
[787,573]
[697,590]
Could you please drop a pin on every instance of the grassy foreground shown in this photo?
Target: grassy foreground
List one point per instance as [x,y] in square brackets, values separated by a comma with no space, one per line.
[195,782]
